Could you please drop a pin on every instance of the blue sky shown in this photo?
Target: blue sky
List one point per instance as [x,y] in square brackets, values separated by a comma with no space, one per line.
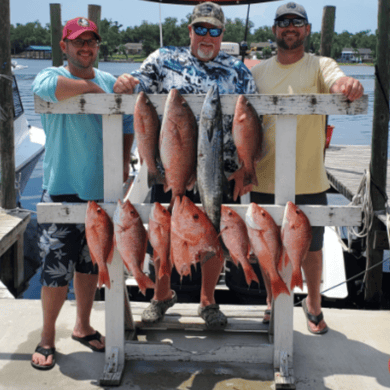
[351,15]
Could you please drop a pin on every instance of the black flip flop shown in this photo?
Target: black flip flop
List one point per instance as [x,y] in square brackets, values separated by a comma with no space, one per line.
[46,352]
[86,341]
[312,318]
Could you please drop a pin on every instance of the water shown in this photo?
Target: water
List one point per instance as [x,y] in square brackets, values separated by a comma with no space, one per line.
[354,130]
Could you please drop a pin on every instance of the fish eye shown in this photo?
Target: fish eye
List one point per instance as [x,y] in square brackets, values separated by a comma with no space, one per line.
[196,216]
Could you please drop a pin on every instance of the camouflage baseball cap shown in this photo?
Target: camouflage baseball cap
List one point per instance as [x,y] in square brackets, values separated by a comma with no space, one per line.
[208,13]
[291,8]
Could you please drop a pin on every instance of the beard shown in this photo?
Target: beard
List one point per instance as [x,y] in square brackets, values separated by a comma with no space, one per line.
[283,44]
[207,53]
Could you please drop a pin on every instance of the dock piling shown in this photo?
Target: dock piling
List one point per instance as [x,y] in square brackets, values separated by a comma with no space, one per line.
[379,145]
[7,146]
[56,34]
[94,14]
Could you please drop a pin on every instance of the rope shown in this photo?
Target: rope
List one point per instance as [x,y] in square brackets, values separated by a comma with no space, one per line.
[348,280]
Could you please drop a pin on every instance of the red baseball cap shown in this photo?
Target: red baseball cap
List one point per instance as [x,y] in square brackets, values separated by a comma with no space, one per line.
[75,27]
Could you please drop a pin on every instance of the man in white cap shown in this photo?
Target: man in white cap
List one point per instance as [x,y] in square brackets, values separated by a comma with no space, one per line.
[193,70]
[293,69]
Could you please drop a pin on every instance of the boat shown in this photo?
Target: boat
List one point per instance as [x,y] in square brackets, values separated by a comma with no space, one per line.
[29,141]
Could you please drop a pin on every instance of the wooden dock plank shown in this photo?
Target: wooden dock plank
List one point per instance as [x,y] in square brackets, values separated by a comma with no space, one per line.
[345,165]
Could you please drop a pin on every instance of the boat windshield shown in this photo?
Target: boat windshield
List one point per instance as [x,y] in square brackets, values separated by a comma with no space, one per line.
[18,106]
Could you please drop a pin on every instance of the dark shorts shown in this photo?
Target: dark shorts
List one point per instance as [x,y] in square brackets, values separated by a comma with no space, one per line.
[314,199]
[63,248]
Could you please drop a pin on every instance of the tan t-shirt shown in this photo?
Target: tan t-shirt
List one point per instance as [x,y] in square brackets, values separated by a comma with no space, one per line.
[309,75]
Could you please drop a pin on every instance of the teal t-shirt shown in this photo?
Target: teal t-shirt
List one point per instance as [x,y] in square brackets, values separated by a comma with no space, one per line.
[73,162]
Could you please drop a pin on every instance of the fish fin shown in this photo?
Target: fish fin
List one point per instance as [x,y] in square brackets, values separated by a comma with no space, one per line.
[92,257]
[144,282]
[111,254]
[250,275]
[104,277]
[278,286]
[296,279]
[191,182]
[156,178]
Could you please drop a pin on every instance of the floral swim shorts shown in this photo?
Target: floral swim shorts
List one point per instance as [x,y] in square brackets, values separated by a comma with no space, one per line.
[63,248]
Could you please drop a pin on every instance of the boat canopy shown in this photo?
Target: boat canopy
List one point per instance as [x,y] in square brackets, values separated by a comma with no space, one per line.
[220,2]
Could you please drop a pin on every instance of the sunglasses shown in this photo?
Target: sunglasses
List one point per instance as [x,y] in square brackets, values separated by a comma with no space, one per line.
[283,23]
[202,31]
[79,43]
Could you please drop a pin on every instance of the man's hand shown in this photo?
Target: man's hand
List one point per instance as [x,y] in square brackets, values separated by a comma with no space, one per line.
[125,84]
[351,88]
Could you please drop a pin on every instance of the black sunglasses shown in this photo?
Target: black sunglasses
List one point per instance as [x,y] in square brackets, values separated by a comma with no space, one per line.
[202,31]
[283,23]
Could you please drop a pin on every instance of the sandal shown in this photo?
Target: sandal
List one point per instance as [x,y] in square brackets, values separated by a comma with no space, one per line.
[86,341]
[156,310]
[314,319]
[213,317]
[46,352]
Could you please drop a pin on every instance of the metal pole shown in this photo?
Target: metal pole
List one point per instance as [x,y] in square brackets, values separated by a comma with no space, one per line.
[161,37]
[7,147]
[244,45]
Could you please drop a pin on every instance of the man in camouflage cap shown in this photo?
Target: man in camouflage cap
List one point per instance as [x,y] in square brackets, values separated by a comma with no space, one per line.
[192,70]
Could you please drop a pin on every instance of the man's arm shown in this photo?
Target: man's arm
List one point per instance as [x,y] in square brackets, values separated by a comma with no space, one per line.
[67,88]
[351,88]
[125,84]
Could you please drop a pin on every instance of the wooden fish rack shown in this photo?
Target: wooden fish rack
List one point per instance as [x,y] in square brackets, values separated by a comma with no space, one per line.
[277,350]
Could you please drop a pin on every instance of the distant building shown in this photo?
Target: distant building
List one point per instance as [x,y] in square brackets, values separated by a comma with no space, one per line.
[355,55]
[133,48]
[39,52]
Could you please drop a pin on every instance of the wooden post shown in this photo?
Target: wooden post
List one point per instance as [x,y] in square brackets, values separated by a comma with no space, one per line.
[379,144]
[7,147]
[56,34]
[94,14]
[327,30]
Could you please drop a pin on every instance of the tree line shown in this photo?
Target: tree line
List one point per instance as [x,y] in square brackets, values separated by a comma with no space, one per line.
[175,33]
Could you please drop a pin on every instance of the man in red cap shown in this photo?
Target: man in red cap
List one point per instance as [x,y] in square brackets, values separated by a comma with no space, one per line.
[73,172]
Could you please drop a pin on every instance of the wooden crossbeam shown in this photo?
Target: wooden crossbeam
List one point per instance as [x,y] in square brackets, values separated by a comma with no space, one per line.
[110,104]
[318,215]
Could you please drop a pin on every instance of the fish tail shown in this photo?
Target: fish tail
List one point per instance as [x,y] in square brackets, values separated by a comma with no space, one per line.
[278,286]
[296,279]
[250,275]
[238,178]
[144,282]
[104,277]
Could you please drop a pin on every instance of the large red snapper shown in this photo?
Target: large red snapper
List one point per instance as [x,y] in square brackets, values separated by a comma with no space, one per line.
[159,237]
[178,144]
[99,232]
[193,236]
[247,136]
[296,239]
[147,131]
[264,236]
[131,240]
[235,236]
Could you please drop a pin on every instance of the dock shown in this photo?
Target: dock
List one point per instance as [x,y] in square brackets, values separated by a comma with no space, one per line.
[354,354]
[345,166]
[12,227]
